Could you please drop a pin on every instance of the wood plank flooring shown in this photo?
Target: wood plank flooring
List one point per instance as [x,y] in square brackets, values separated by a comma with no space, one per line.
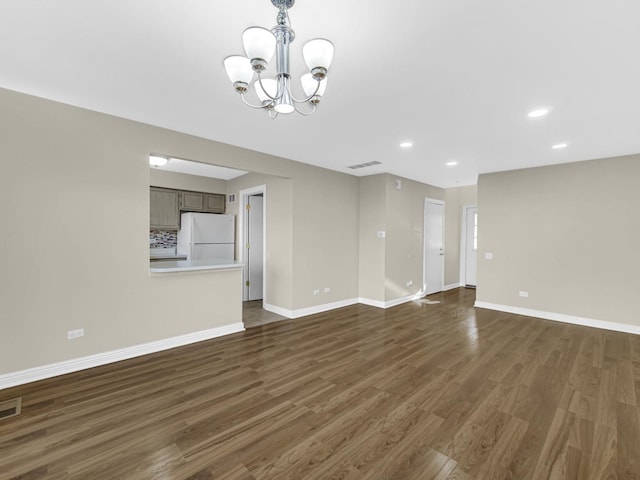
[419,391]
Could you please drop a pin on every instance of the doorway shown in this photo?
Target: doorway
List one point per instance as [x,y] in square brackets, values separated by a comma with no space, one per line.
[252,242]
[433,246]
[469,246]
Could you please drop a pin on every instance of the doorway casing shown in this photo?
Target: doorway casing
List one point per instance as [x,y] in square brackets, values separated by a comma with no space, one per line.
[242,236]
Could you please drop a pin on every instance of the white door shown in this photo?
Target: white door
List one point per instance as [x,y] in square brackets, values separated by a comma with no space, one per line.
[471,247]
[254,247]
[433,246]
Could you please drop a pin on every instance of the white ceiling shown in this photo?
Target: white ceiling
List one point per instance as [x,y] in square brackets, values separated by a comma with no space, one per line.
[456,77]
[201,169]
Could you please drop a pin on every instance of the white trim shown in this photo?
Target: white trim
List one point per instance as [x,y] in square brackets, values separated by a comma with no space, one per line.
[69,366]
[561,317]
[451,286]
[463,244]
[391,303]
[303,312]
[243,198]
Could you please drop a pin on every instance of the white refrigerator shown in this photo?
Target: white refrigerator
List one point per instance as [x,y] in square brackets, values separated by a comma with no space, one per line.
[207,236]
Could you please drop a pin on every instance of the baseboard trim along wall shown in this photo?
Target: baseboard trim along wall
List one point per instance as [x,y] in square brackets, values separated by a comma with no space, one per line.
[77,364]
[303,312]
[391,303]
[451,286]
[561,317]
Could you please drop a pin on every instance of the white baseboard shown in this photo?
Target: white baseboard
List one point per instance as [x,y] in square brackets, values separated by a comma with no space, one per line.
[561,317]
[451,286]
[77,364]
[303,312]
[391,303]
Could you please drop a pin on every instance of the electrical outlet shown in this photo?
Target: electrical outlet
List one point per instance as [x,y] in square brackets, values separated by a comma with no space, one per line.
[327,289]
[524,294]
[71,334]
[488,256]
[410,283]
[381,234]
[316,292]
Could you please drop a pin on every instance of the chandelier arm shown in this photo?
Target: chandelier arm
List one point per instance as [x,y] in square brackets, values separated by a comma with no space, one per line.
[258,107]
[306,114]
[306,100]
[274,99]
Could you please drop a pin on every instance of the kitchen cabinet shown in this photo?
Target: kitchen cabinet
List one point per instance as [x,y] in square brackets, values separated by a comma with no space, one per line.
[202,202]
[164,209]
[214,202]
[191,201]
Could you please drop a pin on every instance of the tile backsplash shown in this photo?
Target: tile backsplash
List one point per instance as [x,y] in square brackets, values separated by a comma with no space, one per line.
[163,239]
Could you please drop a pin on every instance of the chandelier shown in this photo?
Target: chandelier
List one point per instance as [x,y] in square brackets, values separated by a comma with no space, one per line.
[275,94]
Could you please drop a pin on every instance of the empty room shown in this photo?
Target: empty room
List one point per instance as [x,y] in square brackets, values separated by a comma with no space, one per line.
[240,243]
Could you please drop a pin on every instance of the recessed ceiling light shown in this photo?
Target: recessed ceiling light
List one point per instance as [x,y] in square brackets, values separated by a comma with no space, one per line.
[453,163]
[406,145]
[539,112]
[157,160]
[559,146]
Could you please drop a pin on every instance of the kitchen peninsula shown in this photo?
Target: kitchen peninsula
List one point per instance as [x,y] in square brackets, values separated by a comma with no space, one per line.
[193,265]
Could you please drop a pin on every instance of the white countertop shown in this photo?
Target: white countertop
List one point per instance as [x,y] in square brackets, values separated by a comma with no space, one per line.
[188,266]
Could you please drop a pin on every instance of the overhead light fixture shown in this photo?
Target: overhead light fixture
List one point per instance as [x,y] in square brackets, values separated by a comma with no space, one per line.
[452,163]
[157,161]
[406,145]
[540,112]
[275,93]
[559,146]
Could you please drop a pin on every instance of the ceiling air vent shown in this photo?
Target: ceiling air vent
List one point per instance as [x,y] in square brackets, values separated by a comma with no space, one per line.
[363,165]
[10,408]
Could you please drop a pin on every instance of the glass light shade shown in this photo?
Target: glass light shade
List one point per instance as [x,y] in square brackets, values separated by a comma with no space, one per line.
[157,161]
[270,85]
[259,43]
[309,85]
[318,53]
[238,69]
[284,108]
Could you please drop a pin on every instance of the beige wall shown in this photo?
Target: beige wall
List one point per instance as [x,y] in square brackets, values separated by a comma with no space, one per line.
[567,234]
[404,237]
[387,264]
[74,204]
[279,233]
[373,200]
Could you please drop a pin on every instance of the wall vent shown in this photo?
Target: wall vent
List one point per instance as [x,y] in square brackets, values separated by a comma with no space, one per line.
[363,165]
[10,408]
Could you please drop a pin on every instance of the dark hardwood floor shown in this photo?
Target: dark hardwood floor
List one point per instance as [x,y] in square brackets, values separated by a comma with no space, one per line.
[419,391]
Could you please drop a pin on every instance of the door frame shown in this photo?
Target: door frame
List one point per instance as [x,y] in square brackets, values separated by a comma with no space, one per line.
[424,242]
[243,197]
[463,244]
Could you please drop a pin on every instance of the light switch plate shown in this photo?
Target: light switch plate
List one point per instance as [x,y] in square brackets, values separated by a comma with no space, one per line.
[488,256]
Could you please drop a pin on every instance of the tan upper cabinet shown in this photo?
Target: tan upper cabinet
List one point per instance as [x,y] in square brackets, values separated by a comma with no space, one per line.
[192,201]
[214,202]
[164,209]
